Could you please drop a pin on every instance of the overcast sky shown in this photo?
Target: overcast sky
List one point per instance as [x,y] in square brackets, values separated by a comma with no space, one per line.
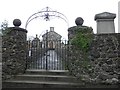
[22,9]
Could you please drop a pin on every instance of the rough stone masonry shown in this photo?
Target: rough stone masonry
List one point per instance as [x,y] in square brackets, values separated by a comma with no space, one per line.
[103,54]
[14,51]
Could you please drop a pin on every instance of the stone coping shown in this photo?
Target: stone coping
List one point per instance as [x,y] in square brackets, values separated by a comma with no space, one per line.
[107,34]
[18,28]
[105,15]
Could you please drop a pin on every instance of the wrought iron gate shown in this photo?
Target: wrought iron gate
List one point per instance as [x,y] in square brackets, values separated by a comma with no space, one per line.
[47,54]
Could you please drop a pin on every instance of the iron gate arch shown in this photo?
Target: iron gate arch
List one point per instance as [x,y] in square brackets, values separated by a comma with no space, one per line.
[47,54]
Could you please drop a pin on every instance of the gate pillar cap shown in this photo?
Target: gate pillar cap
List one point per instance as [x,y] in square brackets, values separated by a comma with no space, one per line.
[16,22]
[79,21]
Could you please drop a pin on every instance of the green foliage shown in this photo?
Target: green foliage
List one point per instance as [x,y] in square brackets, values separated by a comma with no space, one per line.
[4,27]
[6,31]
[80,44]
[82,41]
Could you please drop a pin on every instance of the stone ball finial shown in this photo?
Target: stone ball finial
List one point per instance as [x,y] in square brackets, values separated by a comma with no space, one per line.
[17,22]
[79,21]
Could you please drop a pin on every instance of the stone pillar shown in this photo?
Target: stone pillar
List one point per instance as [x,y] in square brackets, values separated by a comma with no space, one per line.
[0,61]
[119,17]
[80,28]
[79,37]
[14,50]
[71,31]
[0,48]
[105,22]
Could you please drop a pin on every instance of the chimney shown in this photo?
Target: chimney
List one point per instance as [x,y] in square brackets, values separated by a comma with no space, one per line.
[105,22]
[51,28]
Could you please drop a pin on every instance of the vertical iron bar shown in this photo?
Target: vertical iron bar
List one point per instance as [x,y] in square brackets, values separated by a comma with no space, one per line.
[54,47]
[65,54]
[34,61]
[48,59]
[36,55]
[41,56]
[66,47]
[51,57]
[68,55]
[27,54]
[61,55]
[49,62]
[46,47]
[28,49]
[57,55]
[32,56]
[35,65]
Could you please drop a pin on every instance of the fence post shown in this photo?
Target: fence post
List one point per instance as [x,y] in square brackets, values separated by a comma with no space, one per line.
[14,50]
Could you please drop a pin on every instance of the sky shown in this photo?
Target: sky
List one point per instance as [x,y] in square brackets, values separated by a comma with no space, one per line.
[87,9]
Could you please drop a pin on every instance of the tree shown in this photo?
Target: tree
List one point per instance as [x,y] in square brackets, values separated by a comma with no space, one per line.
[4,26]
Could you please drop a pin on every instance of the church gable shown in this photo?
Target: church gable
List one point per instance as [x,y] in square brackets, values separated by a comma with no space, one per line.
[52,35]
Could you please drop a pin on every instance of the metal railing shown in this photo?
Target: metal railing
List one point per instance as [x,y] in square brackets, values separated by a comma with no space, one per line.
[48,55]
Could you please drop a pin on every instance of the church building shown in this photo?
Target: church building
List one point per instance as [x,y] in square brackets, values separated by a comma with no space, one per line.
[51,39]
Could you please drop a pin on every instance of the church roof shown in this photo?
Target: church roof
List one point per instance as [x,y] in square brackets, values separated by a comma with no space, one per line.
[53,32]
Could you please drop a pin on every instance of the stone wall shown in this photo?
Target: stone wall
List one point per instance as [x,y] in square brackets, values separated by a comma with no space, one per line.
[13,52]
[105,56]
[104,60]
[100,64]
[0,61]
[0,48]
